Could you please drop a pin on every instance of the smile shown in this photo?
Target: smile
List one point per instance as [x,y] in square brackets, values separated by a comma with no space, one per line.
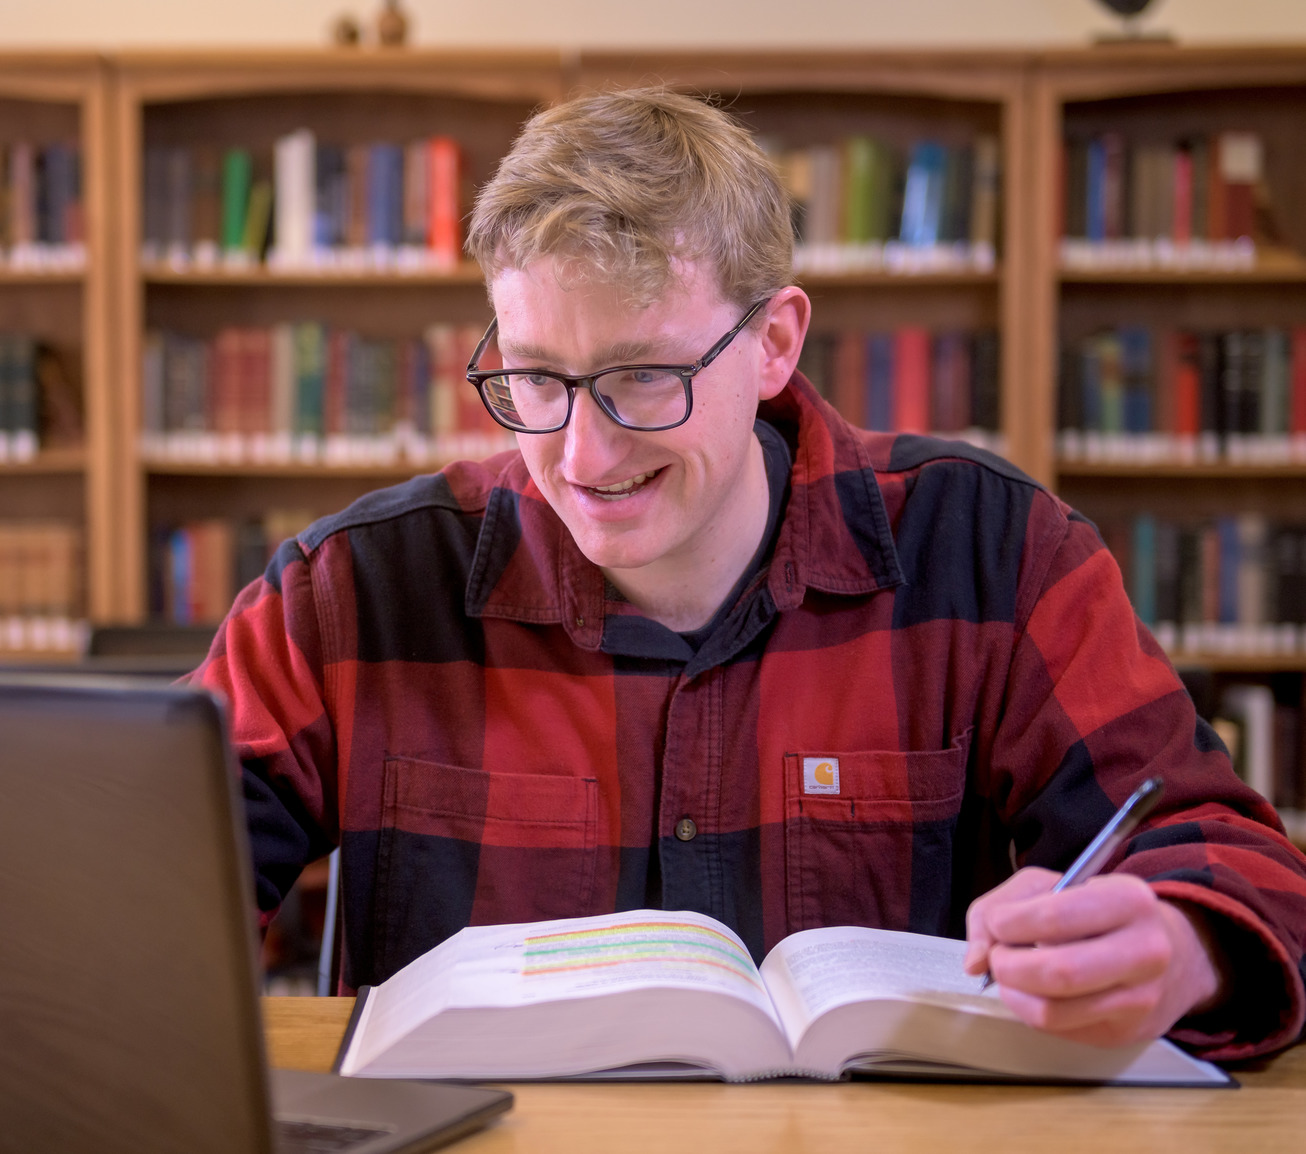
[623,489]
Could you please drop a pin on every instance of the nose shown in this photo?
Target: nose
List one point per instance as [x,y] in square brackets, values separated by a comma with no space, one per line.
[592,442]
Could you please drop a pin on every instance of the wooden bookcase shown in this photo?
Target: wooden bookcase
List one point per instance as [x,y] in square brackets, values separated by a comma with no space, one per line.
[121,105]
[1153,95]
[249,100]
[48,99]
[797,100]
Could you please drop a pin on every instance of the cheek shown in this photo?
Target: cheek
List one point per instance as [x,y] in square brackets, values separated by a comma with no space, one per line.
[536,455]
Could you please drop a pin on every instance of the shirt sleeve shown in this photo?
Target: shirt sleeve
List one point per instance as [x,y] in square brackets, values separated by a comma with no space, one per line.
[266,661]
[1092,707]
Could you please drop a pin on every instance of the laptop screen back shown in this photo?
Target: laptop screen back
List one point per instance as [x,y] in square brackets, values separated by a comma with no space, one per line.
[127,968]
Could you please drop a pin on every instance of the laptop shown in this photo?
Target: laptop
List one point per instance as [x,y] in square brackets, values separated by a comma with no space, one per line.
[128,973]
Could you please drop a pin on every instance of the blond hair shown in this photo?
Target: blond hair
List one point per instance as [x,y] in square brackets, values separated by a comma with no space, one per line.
[623,185]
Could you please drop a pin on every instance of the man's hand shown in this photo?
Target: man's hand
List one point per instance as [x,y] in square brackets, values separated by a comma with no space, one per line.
[1113,963]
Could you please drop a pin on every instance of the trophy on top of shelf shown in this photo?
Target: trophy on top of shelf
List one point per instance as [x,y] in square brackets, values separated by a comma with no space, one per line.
[1130,13]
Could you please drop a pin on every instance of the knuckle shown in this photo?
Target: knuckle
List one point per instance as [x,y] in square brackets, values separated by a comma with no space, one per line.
[1061,976]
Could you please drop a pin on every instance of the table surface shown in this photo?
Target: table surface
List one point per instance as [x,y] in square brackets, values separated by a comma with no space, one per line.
[1265,1115]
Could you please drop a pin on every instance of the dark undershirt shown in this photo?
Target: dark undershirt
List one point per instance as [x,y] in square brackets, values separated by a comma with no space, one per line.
[778,466]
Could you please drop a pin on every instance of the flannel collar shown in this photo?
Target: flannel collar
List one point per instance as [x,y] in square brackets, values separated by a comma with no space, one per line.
[835,537]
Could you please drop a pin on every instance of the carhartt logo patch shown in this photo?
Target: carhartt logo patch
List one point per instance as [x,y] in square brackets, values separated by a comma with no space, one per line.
[820,775]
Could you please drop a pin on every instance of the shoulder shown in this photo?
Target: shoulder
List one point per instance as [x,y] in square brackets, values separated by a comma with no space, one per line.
[459,492]
[932,476]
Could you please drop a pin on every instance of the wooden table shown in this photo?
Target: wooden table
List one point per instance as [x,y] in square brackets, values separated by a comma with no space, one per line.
[1267,1114]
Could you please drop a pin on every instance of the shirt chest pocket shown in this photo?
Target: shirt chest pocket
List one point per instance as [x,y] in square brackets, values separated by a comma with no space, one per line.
[869,836]
[466,846]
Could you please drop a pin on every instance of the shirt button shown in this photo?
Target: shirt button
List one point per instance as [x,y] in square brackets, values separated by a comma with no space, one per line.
[686,829]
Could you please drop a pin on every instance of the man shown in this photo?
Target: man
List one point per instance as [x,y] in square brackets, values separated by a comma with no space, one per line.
[779,670]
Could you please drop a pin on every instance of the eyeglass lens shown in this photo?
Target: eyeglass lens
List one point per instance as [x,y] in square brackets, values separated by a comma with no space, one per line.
[640,397]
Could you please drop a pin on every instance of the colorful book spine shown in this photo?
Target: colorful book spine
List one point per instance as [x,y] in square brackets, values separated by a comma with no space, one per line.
[237,172]
[1197,201]
[305,204]
[444,237]
[309,392]
[1135,394]
[42,215]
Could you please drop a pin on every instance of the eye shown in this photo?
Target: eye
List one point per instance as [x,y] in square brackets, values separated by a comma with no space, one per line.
[635,377]
[539,380]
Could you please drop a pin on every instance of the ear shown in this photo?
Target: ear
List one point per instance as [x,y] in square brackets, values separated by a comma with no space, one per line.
[783,330]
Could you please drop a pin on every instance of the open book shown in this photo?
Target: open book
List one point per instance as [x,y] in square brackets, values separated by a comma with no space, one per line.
[658,994]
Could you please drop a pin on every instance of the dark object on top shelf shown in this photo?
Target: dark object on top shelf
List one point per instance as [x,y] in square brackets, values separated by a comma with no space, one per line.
[345,31]
[1129,12]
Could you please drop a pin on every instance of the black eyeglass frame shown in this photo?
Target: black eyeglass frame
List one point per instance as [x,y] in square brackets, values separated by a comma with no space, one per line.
[686,373]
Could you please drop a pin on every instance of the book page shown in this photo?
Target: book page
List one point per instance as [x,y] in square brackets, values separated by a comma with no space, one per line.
[580,957]
[815,971]
[538,962]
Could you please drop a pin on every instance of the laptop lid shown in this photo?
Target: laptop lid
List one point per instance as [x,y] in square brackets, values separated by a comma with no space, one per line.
[128,973]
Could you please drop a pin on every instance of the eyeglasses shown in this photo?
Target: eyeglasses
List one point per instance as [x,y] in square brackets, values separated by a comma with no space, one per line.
[646,398]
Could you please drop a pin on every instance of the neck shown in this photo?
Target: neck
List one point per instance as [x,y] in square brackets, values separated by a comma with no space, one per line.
[684,592]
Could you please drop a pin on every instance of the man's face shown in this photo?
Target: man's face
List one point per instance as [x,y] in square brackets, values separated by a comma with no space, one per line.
[665,503]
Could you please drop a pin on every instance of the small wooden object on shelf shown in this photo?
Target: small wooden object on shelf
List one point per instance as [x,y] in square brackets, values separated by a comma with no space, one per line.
[392,25]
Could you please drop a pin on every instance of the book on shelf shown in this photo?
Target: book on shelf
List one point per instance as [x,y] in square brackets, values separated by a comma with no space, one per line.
[40,399]
[1132,394]
[1246,725]
[307,393]
[237,176]
[1197,202]
[1230,584]
[911,380]
[196,568]
[41,586]
[307,204]
[538,1000]
[293,200]
[862,204]
[42,215]
[1259,718]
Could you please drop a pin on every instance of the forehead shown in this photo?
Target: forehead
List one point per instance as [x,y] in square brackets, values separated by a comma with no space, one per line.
[550,312]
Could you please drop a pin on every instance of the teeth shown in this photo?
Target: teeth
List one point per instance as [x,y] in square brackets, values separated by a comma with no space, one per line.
[624,488]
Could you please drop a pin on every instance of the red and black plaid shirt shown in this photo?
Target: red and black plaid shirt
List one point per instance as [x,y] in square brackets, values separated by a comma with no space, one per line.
[937,673]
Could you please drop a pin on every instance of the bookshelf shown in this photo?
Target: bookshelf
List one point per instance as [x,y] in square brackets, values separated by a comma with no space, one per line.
[150,280]
[366,295]
[1146,284]
[57,440]
[1167,280]
[881,289]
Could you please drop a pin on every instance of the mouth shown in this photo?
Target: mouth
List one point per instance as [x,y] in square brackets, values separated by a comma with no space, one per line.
[623,489]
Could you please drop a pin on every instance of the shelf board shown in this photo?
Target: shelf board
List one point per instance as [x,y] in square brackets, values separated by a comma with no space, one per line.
[1212,471]
[884,279]
[32,276]
[1271,267]
[1239,662]
[48,461]
[466,273]
[402,469]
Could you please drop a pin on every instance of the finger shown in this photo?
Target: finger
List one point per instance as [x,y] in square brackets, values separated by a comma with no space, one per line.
[1100,906]
[1023,884]
[1113,1017]
[1133,956]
